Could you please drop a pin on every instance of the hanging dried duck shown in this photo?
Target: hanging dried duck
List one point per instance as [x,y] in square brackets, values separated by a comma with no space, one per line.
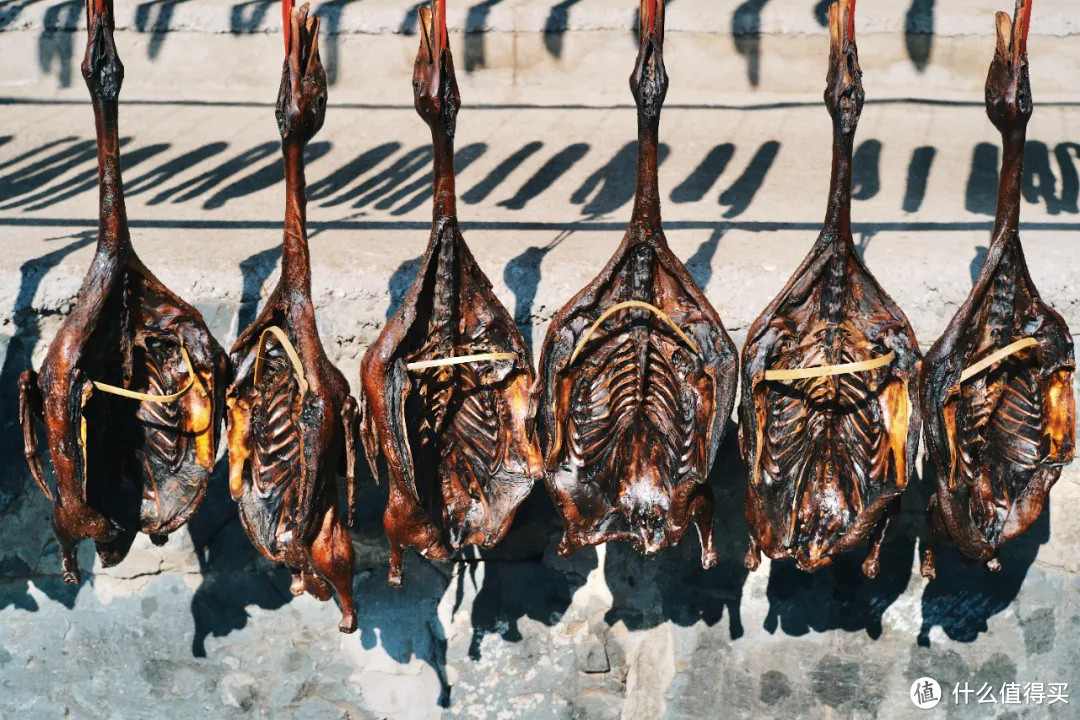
[131,391]
[448,385]
[639,374]
[291,421]
[828,426]
[997,387]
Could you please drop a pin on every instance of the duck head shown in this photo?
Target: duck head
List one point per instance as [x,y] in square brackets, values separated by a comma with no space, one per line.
[301,103]
[1008,88]
[844,90]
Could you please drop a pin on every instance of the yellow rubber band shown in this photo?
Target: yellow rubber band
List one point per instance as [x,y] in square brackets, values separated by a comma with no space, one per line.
[632,304]
[996,357]
[147,397]
[460,360]
[829,370]
[294,358]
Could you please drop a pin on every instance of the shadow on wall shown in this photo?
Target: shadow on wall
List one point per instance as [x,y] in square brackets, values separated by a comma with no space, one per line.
[522,275]
[84,181]
[394,179]
[673,586]
[19,495]
[839,596]
[234,575]
[919,33]
[156,23]
[699,265]
[866,170]
[978,261]
[255,270]
[963,598]
[558,20]
[475,30]
[746,33]
[56,43]
[267,176]
[613,185]
[403,622]
[329,14]
[922,159]
[246,17]
[408,23]
[538,584]
[918,29]
[740,194]
[400,282]
[1040,182]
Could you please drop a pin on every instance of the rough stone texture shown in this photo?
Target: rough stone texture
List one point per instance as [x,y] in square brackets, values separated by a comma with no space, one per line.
[204,627]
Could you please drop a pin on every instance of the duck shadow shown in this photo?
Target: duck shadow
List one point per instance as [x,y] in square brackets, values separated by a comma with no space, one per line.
[402,622]
[746,33]
[19,497]
[234,575]
[523,577]
[839,596]
[965,595]
[673,586]
[963,598]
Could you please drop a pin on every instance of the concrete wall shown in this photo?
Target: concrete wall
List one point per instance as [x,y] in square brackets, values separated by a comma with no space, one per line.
[204,626]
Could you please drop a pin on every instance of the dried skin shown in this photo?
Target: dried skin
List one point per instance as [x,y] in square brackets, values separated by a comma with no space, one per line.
[633,422]
[827,454]
[122,465]
[830,455]
[291,421]
[999,438]
[458,440]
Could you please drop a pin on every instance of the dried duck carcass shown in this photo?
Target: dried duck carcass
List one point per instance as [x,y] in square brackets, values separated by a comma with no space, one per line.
[291,422]
[828,417]
[997,387]
[638,372]
[131,392]
[449,389]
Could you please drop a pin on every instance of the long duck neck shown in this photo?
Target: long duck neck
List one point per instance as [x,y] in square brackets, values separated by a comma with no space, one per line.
[649,86]
[104,76]
[442,142]
[647,193]
[295,256]
[844,99]
[1009,184]
[113,236]
[838,215]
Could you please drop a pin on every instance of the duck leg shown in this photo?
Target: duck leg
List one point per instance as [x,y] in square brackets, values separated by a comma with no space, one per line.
[332,556]
[935,533]
[30,408]
[872,564]
[701,510]
[69,546]
[350,421]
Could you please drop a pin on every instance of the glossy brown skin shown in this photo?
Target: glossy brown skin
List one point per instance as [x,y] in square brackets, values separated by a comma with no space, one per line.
[143,466]
[830,456]
[1000,439]
[632,425]
[286,441]
[458,441]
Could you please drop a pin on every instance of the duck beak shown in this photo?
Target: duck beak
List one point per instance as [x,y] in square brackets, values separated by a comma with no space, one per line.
[1012,35]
